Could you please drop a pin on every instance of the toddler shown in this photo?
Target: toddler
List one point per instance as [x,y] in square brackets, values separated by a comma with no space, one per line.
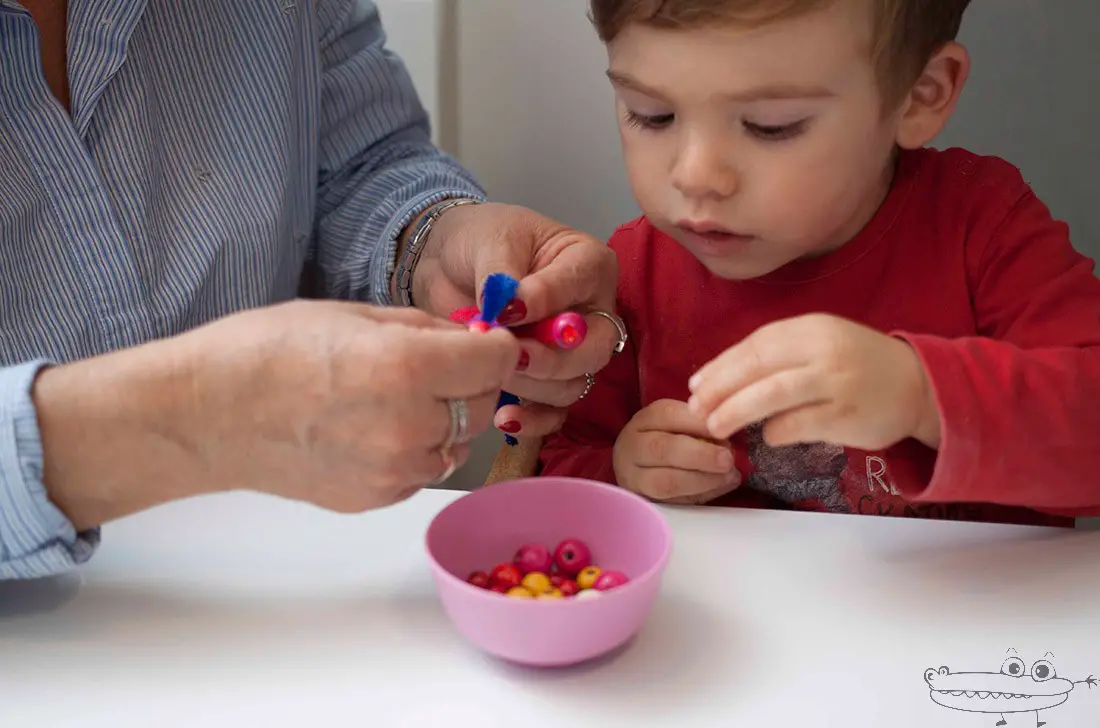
[825,312]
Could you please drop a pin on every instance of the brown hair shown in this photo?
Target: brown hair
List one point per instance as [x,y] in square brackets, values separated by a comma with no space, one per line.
[907,32]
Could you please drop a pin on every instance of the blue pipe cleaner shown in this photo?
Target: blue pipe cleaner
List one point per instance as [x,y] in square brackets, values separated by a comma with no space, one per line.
[499,291]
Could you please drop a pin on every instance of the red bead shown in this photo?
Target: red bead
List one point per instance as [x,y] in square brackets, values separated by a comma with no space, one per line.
[479,579]
[610,580]
[505,574]
[568,587]
[533,557]
[479,326]
[571,556]
[500,588]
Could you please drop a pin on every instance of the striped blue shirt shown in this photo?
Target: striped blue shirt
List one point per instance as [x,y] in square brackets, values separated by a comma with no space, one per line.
[213,148]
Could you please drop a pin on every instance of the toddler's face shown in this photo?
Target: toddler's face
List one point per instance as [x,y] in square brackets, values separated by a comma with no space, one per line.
[755,147]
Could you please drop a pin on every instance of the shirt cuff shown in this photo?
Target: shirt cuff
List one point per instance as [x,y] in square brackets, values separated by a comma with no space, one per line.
[385,264]
[36,538]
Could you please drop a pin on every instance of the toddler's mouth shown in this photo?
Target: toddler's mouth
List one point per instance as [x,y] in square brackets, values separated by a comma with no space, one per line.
[710,238]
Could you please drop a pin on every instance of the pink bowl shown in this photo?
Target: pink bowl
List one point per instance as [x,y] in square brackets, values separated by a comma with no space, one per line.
[624,532]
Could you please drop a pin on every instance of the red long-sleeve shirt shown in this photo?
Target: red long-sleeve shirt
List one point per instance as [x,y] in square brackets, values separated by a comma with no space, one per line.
[964,262]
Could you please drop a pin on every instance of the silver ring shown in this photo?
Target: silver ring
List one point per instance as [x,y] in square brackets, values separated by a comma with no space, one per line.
[452,466]
[590,381]
[460,423]
[620,326]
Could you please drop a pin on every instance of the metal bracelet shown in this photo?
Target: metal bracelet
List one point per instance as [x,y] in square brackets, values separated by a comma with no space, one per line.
[407,265]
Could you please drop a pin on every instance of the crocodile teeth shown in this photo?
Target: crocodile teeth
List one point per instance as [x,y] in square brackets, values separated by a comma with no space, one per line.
[956,692]
[971,693]
[983,696]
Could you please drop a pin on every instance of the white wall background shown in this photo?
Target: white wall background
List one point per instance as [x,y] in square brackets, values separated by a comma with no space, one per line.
[533,114]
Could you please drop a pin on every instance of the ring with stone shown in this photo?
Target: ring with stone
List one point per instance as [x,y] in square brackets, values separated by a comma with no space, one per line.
[589,382]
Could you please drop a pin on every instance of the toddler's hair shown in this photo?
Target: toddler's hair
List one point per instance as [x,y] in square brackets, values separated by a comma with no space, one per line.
[907,32]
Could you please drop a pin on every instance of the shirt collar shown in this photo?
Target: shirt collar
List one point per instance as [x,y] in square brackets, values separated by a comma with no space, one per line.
[99,35]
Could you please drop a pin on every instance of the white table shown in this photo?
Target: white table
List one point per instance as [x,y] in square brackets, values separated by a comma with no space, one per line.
[241,610]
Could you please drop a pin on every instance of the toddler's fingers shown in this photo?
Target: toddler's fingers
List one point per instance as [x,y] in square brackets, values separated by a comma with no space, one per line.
[733,410]
[699,499]
[670,415]
[683,452]
[671,485]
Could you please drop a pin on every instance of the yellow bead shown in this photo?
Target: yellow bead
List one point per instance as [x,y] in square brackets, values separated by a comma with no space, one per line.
[553,593]
[537,582]
[587,578]
[520,593]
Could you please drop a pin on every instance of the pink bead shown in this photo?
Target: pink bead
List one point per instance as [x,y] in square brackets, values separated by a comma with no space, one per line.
[479,326]
[533,557]
[610,580]
[571,556]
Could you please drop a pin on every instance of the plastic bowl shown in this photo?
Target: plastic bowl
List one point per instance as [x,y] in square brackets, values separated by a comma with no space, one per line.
[474,533]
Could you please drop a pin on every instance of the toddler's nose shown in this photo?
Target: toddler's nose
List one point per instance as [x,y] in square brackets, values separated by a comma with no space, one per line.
[702,172]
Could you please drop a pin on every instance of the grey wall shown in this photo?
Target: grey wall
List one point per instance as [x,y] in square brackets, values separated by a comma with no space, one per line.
[535,118]
[1032,99]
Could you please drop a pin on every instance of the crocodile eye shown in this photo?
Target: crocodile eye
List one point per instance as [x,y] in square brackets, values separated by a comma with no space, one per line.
[1042,671]
[1013,666]
[929,674]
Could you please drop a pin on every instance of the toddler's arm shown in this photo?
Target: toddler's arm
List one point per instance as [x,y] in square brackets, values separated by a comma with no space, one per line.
[583,448]
[1020,403]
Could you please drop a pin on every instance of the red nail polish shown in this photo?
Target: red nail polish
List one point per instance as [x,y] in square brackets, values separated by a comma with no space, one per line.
[524,361]
[513,313]
[511,427]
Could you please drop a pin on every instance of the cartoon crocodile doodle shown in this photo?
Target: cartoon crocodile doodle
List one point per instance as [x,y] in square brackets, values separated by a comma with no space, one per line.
[1012,690]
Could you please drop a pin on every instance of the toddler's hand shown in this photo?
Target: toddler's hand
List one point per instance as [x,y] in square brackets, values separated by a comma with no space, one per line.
[818,378]
[666,454]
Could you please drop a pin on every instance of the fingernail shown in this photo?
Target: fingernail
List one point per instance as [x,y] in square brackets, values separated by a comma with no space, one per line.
[511,427]
[725,460]
[693,383]
[513,313]
[524,361]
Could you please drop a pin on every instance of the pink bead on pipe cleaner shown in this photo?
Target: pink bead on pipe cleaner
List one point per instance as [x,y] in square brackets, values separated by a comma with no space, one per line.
[564,331]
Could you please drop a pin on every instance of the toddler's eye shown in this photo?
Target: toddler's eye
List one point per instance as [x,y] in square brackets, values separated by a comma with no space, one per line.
[654,122]
[774,133]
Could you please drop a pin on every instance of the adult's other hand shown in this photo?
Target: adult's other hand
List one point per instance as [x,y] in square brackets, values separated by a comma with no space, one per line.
[339,404]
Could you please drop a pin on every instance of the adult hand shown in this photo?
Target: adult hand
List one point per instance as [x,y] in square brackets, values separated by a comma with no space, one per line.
[818,378]
[665,453]
[338,404]
[558,268]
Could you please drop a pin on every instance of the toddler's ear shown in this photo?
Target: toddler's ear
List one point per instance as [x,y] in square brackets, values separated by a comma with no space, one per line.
[933,97]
